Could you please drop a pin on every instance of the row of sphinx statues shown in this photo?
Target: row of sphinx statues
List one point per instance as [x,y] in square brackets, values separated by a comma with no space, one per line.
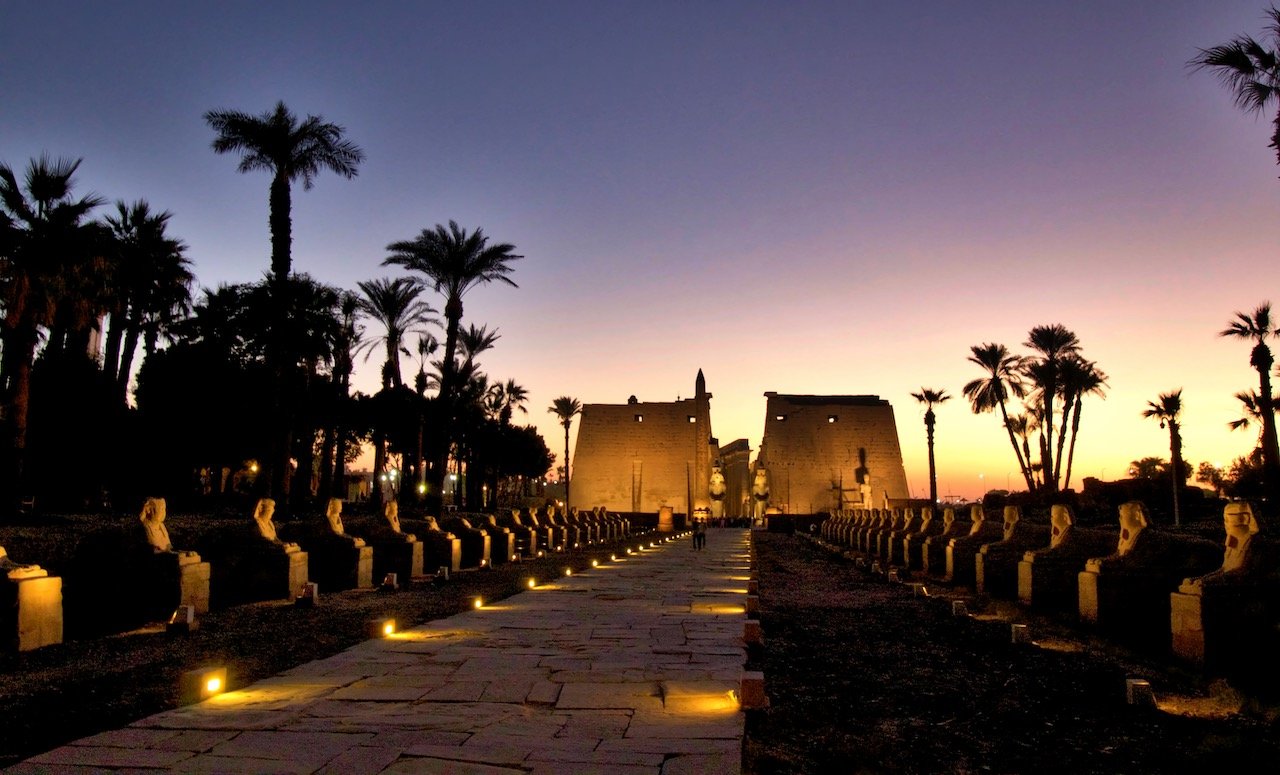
[1153,589]
[119,579]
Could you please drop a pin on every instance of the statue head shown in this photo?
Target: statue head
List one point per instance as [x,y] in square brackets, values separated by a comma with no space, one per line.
[760,484]
[1011,516]
[334,514]
[1060,518]
[391,512]
[976,514]
[1240,523]
[1241,526]
[153,513]
[948,517]
[926,516]
[1133,520]
[262,514]
[717,488]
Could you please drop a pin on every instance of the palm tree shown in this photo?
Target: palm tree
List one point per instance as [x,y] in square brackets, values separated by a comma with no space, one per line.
[1250,70]
[152,290]
[454,262]
[1252,414]
[1079,378]
[1004,379]
[1054,344]
[504,399]
[472,342]
[1167,408]
[45,238]
[290,150]
[1258,327]
[395,305]
[929,397]
[565,408]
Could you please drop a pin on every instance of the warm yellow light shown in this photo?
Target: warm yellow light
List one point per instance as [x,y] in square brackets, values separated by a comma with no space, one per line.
[629,550]
[479,602]
[568,571]
[388,628]
[613,558]
[213,685]
[532,583]
[595,563]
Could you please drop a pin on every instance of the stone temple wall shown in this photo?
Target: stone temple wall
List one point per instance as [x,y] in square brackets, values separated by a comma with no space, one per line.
[642,456]
[825,452]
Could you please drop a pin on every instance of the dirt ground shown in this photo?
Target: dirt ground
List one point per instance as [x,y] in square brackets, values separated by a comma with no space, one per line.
[867,676]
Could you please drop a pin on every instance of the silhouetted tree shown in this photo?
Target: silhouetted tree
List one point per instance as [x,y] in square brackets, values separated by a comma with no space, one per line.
[1167,408]
[565,408]
[454,262]
[1250,70]
[1004,379]
[44,241]
[1258,327]
[930,398]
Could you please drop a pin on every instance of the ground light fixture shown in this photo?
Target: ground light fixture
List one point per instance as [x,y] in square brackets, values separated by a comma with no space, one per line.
[595,563]
[478,603]
[381,628]
[531,583]
[613,558]
[568,571]
[201,684]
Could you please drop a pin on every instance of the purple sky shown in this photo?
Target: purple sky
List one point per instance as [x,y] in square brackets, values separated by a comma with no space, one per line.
[802,197]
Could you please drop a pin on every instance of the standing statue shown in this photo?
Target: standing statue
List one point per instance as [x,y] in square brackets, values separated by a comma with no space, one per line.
[717,490]
[760,491]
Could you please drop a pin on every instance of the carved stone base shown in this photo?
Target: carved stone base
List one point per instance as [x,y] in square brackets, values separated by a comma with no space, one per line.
[403,558]
[193,586]
[30,612]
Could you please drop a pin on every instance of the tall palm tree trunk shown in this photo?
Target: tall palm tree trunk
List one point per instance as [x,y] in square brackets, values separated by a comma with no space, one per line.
[1262,361]
[566,466]
[1175,453]
[280,222]
[929,420]
[1013,441]
[1071,451]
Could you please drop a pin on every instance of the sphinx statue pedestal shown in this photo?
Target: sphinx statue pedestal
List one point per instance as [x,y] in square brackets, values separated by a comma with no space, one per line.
[188,575]
[30,608]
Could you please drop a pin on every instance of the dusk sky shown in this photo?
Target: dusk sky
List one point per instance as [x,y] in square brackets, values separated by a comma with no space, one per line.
[801,197]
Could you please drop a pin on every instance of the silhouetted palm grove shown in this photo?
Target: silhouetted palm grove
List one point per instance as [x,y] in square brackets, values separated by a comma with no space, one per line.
[241,390]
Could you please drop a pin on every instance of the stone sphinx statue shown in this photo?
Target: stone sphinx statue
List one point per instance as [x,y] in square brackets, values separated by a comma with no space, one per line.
[333,515]
[1133,521]
[1061,521]
[1012,515]
[977,518]
[760,490]
[1241,527]
[391,513]
[717,489]
[157,535]
[262,520]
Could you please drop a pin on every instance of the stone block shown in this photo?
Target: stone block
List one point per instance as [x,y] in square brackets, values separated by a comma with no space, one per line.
[30,612]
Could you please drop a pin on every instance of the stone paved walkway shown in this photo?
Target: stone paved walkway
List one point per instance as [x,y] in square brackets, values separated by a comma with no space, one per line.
[628,668]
